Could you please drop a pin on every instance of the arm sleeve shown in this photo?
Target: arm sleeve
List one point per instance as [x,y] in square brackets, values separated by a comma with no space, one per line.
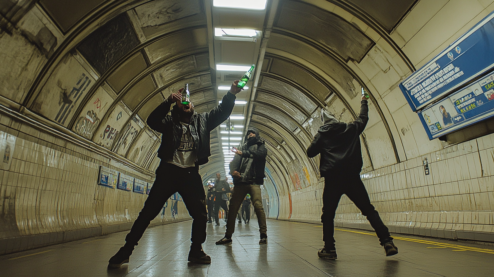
[219,114]
[155,119]
[314,148]
[360,123]
[258,154]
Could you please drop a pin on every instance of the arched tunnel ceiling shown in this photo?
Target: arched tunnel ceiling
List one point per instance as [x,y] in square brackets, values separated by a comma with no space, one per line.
[106,65]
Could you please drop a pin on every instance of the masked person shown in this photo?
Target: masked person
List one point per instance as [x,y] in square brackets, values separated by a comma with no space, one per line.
[247,170]
[210,199]
[185,145]
[341,163]
[221,190]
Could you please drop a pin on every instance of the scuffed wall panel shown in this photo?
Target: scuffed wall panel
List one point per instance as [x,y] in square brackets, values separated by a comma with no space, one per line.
[129,134]
[64,91]
[12,11]
[283,105]
[140,149]
[181,67]
[133,97]
[126,72]
[277,115]
[287,91]
[107,45]
[108,131]
[68,12]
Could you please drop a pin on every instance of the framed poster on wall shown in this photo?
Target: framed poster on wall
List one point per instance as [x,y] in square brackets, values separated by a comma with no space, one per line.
[139,186]
[125,182]
[107,177]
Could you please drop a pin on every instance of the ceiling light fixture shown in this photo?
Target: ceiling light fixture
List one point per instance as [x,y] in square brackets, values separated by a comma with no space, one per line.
[220,32]
[228,88]
[235,126]
[239,4]
[231,132]
[227,67]
[231,138]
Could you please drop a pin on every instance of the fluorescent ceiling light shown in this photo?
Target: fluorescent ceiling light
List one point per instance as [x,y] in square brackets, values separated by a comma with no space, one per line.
[237,117]
[235,126]
[240,102]
[231,138]
[228,88]
[239,4]
[220,32]
[227,67]
[231,132]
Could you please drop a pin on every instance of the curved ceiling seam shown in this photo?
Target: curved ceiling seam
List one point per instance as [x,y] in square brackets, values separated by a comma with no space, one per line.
[103,13]
[359,80]
[280,97]
[371,23]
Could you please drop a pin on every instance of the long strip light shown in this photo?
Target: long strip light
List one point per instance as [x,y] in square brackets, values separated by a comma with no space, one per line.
[237,117]
[231,132]
[228,88]
[231,138]
[220,32]
[227,67]
[235,126]
[239,4]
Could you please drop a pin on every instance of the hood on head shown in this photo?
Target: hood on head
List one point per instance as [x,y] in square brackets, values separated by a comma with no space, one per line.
[326,117]
[252,129]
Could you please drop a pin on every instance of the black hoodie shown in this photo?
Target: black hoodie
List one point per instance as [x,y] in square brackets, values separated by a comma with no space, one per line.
[339,144]
[252,162]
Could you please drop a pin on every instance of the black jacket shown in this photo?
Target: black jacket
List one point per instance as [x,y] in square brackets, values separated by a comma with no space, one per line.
[254,155]
[200,127]
[339,144]
[219,185]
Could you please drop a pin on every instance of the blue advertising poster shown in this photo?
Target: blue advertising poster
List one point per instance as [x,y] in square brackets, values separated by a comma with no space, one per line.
[125,182]
[148,189]
[467,58]
[139,186]
[462,108]
[107,177]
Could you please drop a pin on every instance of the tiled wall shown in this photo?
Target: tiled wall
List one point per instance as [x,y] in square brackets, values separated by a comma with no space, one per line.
[456,199]
[49,191]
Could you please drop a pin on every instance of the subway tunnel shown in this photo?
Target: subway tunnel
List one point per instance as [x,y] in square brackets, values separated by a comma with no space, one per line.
[79,79]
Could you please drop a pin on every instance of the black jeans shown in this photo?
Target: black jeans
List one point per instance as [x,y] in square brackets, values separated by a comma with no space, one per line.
[171,179]
[246,212]
[335,186]
[210,210]
[219,203]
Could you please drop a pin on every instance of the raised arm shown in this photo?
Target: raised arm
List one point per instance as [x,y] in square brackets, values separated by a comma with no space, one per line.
[155,119]
[360,123]
[219,114]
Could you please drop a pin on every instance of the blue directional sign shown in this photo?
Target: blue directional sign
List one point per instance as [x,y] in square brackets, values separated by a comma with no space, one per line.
[139,186]
[107,177]
[467,58]
[125,182]
[462,108]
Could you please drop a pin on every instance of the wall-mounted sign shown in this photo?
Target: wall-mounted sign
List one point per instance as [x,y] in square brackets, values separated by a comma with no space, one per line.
[7,145]
[125,182]
[467,58]
[149,188]
[462,108]
[107,177]
[139,186]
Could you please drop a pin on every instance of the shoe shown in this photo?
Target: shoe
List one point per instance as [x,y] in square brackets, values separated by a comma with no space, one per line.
[120,258]
[239,222]
[263,241]
[390,248]
[327,254]
[210,221]
[217,224]
[224,240]
[197,256]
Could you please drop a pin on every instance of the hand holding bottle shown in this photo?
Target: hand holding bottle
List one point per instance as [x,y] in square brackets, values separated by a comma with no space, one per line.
[234,89]
[176,97]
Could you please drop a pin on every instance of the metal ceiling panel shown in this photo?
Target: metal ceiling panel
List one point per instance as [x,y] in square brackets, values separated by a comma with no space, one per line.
[93,113]
[234,52]
[66,13]
[277,115]
[274,137]
[387,12]
[63,92]
[108,44]
[177,43]
[182,67]
[138,92]
[108,131]
[126,72]
[149,107]
[156,16]
[287,91]
[195,83]
[326,28]
[301,77]
[203,97]
[316,58]
[285,106]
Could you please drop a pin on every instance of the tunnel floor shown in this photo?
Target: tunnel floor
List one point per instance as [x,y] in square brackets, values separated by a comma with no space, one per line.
[291,251]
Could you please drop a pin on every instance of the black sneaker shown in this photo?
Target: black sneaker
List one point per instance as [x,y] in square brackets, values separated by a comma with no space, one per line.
[327,254]
[120,258]
[217,223]
[263,241]
[239,222]
[198,256]
[390,248]
[224,240]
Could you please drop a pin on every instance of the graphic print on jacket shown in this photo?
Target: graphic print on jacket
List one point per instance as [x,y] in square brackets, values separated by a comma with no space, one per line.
[185,155]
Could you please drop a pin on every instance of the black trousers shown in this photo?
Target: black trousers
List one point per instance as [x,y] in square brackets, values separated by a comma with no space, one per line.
[335,186]
[171,179]
[219,203]
[246,212]
[210,210]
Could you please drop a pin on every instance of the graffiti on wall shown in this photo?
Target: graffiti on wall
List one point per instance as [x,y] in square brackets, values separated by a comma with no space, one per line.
[7,145]
[91,115]
[109,130]
[67,100]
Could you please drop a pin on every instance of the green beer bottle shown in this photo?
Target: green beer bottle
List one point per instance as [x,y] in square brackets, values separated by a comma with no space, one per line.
[186,95]
[246,77]
[365,93]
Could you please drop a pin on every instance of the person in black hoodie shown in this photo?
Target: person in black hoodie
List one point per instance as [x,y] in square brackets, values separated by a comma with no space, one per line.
[247,170]
[184,146]
[210,198]
[341,163]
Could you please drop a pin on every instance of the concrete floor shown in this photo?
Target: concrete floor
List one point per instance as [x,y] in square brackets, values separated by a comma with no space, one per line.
[291,251]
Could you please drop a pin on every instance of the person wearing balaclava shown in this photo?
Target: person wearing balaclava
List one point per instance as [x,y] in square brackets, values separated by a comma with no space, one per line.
[185,145]
[341,163]
[247,170]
